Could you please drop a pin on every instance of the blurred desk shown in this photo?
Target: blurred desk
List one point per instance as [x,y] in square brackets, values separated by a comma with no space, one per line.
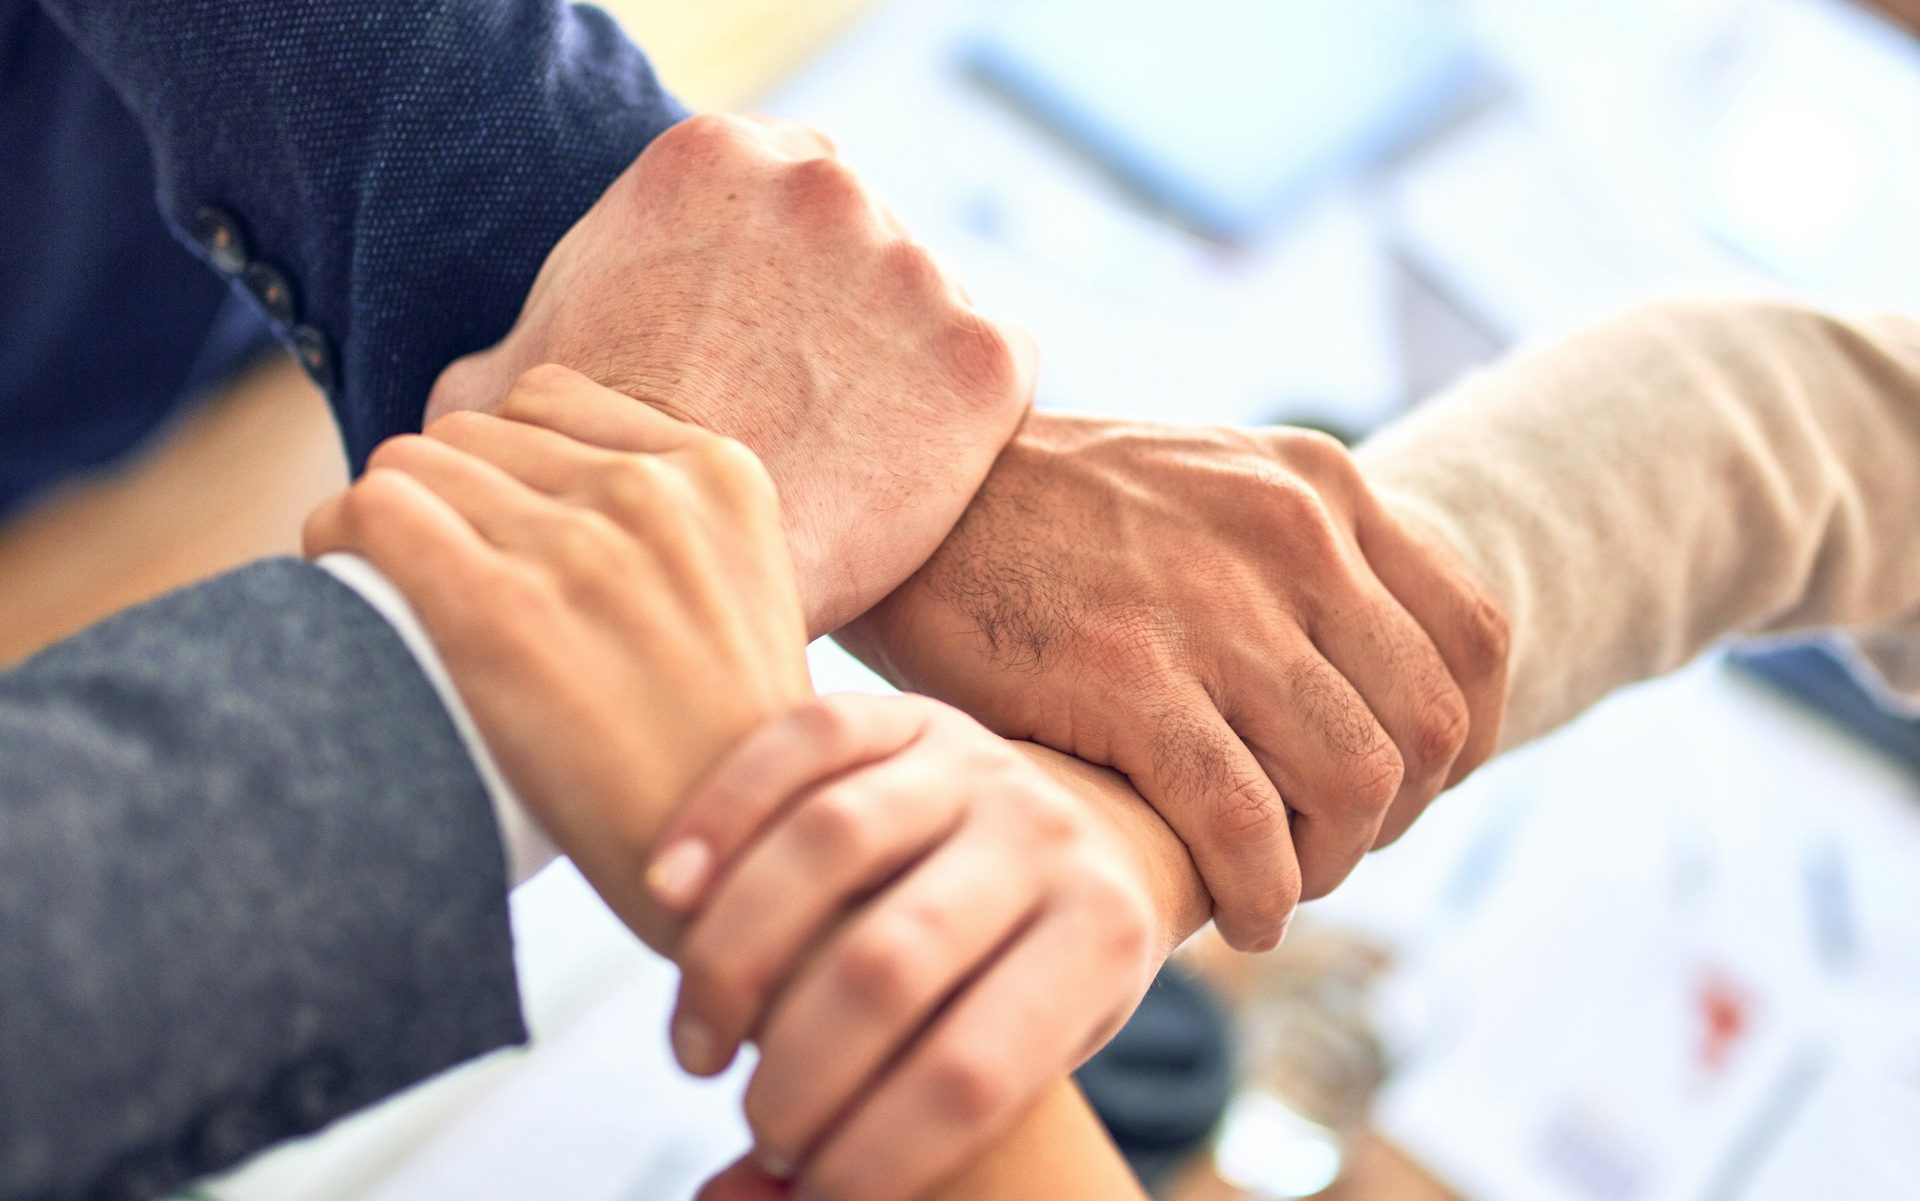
[231,481]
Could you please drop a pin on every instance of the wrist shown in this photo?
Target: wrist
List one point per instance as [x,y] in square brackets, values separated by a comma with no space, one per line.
[1181,902]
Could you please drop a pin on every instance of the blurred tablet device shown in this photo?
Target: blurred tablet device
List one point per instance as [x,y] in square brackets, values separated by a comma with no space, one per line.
[1228,112]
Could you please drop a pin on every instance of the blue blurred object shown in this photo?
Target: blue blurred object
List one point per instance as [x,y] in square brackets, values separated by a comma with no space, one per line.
[1229,112]
[1811,674]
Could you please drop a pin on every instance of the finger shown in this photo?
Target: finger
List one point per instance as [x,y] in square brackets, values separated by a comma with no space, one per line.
[538,457]
[1202,778]
[1465,624]
[564,401]
[504,511]
[984,1061]
[807,745]
[744,1181]
[1390,662]
[325,530]
[1320,743]
[413,537]
[836,843]
[869,991]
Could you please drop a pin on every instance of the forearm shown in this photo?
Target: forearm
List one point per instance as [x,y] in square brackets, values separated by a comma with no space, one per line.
[240,807]
[1057,1152]
[404,167]
[1668,478]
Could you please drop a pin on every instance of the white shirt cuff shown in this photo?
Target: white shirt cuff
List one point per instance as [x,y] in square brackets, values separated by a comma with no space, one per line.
[527,847]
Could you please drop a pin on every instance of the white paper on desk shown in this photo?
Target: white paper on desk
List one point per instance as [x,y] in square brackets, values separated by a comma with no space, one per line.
[1617,1066]
[1562,1049]
[1855,1133]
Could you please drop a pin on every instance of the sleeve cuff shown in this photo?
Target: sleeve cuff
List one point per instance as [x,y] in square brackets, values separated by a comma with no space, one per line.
[526,845]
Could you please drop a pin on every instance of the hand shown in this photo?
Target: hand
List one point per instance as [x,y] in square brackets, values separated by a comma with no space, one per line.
[610,591]
[1284,668]
[918,926]
[739,277]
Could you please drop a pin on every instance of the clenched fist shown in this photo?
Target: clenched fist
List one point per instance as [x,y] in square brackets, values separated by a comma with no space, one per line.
[739,277]
[1285,669]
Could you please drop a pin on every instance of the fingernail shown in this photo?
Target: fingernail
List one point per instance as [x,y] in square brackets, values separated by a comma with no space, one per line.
[695,1046]
[679,872]
[773,1164]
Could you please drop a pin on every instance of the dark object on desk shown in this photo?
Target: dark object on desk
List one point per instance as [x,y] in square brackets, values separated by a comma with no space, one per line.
[1161,1085]
[1810,673]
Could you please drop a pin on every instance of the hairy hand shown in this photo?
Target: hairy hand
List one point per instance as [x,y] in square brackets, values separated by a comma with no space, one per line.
[610,592]
[738,276]
[1286,670]
[920,928]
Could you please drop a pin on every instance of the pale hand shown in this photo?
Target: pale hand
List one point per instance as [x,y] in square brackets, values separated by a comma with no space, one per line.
[920,928]
[738,276]
[611,593]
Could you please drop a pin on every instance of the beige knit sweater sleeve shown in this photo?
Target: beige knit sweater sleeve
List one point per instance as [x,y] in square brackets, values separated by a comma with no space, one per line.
[1670,477]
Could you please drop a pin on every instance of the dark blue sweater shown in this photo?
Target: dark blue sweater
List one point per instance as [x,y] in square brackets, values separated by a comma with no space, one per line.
[379,182]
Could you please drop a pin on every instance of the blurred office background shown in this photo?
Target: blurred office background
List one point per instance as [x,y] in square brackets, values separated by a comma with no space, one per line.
[1671,954]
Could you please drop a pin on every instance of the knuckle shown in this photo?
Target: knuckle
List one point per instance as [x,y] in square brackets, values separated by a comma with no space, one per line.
[980,357]
[834,825]
[1440,728]
[1300,513]
[1322,457]
[1374,779]
[581,551]
[546,377]
[1136,644]
[532,391]
[830,723]
[909,268]
[823,190]
[968,1086]
[1124,911]
[1053,822]
[450,427]
[459,384]
[375,495]
[879,968]
[627,489]
[704,131]
[1246,804]
[1486,633]
[392,455]
[737,473]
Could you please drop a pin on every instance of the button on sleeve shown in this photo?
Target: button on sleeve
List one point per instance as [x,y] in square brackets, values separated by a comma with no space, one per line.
[218,233]
[270,287]
[316,357]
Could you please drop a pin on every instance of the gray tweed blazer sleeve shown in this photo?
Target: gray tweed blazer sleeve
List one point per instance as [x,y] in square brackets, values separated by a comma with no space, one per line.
[249,881]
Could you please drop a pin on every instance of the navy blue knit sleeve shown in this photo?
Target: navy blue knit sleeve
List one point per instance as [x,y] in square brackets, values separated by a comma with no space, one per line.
[385,178]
